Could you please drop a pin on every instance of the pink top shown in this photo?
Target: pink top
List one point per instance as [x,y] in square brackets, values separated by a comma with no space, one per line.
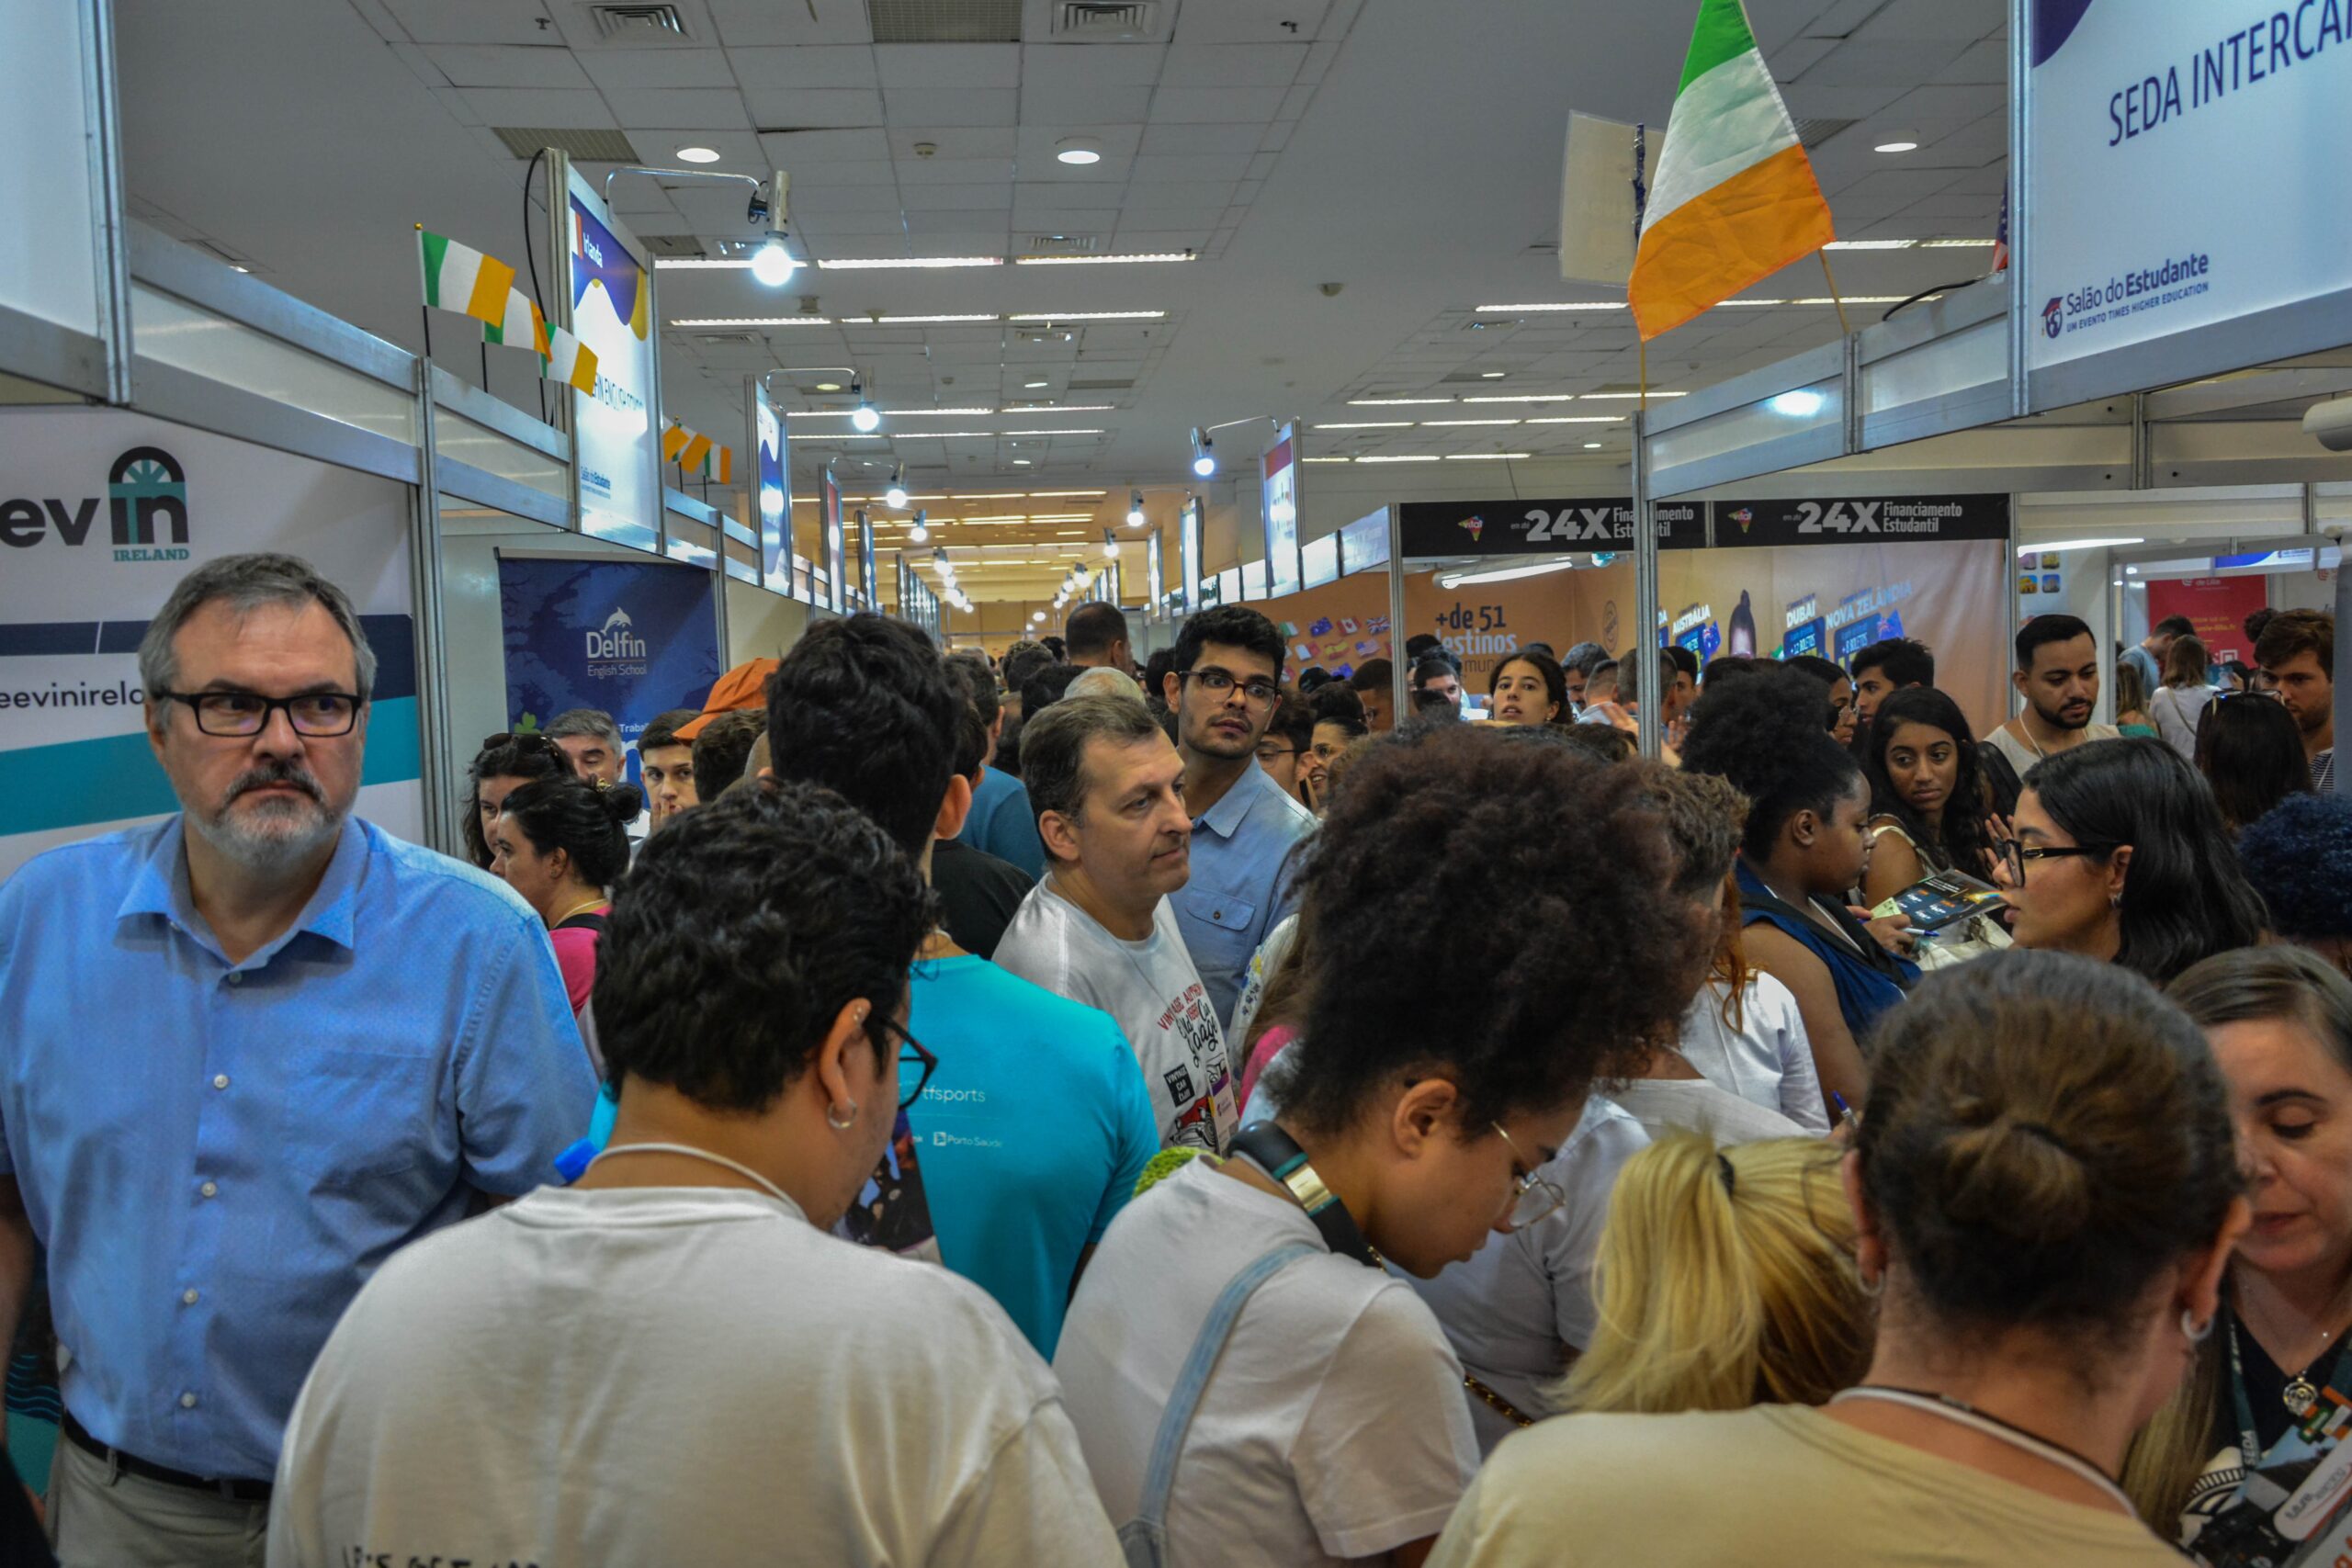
[1269,1044]
[575,955]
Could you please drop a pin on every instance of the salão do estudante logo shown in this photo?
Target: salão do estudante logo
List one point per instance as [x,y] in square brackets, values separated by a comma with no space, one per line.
[146,503]
[2169,282]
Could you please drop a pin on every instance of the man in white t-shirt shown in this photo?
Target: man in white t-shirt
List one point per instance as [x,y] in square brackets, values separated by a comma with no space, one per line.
[1109,792]
[2057,675]
[671,1361]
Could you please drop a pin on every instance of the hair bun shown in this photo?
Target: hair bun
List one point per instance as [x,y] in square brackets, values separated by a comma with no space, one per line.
[623,801]
[2018,1178]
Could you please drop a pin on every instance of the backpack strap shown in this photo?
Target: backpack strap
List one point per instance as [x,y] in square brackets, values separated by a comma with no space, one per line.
[590,921]
[1159,1475]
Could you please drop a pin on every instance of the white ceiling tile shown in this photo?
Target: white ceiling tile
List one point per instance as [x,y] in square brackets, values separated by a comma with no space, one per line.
[1143,194]
[1168,218]
[958,65]
[1932,21]
[505,65]
[915,172]
[1277,136]
[789,149]
[828,200]
[871,221]
[1200,140]
[1081,103]
[1183,104]
[470,21]
[814,108]
[1226,168]
[1122,65]
[659,68]
[1986,63]
[1983,208]
[558,108]
[1797,56]
[1248,21]
[802,21]
[738,150]
[1150,242]
[1106,178]
[691,108]
[954,142]
[1262,165]
[712,208]
[825,65]
[1033,139]
[810,178]
[953,233]
[958,198]
[1060,220]
[933,106]
[1232,66]
[1295,102]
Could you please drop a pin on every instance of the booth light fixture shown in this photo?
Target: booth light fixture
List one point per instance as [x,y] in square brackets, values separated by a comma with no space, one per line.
[1204,454]
[864,416]
[2038,546]
[1536,309]
[1503,573]
[920,533]
[772,263]
[1083,316]
[1487,457]
[893,263]
[1110,545]
[895,496]
[1135,510]
[1100,260]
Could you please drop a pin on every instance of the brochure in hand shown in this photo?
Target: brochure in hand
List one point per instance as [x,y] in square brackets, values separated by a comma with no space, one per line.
[1943,899]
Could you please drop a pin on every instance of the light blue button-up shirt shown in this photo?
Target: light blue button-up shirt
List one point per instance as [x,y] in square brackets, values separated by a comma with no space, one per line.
[1238,889]
[217,1156]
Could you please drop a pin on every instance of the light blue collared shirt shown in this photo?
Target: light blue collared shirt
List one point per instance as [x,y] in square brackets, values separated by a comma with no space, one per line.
[1237,890]
[217,1156]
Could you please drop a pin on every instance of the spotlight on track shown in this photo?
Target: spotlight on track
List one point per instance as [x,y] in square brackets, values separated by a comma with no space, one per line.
[1204,454]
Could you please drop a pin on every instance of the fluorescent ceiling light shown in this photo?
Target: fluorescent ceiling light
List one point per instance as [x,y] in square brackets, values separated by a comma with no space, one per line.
[992,495]
[1408,458]
[1086,432]
[698,155]
[1571,305]
[1492,375]
[704,264]
[882,263]
[1754,303]
[837,436]
[1102,261]
[1957,245]
[752,322]
[1869,244]
[2038,546]
[1576,419]
[1652,392]
[916,321]
[1066,495]
[1369,424]
[1428,421]
[1487,457]
[1525,398]
[1897,147]
[1853,300]
[1085,315]
[1326,459]
[1032,385]
[1592,446]
[825,386]
[1392,402]
[1063,408]
[1501,573]
[886,414]
[1076,150]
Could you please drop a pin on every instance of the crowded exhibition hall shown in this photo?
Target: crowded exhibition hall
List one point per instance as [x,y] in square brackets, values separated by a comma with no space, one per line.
[1174,784]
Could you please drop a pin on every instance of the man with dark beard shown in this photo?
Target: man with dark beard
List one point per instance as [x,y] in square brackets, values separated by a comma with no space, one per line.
[2057,675]
[246,1053]
[1226,679]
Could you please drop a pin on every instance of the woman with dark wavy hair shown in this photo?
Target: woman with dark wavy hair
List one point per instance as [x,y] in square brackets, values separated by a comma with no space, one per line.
[505,764]
[2121,855]
[1928,798]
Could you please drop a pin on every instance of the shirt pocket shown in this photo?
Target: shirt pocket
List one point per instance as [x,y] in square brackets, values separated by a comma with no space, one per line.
[1230,912]
[352,1116]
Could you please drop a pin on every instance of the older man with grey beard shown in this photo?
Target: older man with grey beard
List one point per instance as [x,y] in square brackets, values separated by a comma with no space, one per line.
[246,1053]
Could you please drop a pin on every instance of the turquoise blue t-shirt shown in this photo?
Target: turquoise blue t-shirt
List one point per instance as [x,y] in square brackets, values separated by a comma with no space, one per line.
[1031,1135]
[1004,823]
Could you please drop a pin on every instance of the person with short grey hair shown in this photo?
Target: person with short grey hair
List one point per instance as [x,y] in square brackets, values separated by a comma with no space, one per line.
[246,1053]
[1108,788]
[593,741]
[1104,680]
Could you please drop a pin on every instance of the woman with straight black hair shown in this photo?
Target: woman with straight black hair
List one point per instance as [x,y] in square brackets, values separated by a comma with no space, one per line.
[2251,753]
[1928,798]
[561,844]
[2121,855]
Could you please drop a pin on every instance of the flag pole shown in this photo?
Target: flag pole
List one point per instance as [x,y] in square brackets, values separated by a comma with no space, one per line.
[1835,298]
[1641,205]
[423,312]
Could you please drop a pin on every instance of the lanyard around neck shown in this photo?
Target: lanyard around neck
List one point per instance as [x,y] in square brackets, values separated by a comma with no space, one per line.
[1961,1412]
[2249,1439]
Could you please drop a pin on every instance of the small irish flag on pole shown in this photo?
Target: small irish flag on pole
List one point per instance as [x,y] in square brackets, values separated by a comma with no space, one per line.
[569,360]
[459,277]
[520,327]
[1734,198]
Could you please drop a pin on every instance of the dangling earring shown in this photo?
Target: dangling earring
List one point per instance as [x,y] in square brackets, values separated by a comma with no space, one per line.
[2196,1332]
[2115,900]
[840,1123]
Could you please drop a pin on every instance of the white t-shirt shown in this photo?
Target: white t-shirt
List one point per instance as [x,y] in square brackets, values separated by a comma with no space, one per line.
[1155,993]
[2022,756]
[1523,1300]
[1333,1427]
[672,1375]
[1660,1103]
[1766,1061]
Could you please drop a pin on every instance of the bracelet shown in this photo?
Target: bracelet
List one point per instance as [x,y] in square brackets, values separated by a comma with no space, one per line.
[1502,1406]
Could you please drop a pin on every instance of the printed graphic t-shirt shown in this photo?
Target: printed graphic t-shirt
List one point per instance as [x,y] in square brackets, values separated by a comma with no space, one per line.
[1152,990]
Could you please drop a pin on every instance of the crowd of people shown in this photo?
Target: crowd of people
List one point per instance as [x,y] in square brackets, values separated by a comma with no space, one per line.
[1055,1109]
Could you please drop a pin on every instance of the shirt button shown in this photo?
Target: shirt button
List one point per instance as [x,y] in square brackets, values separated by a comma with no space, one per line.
[236,978]
[187,1298]
[210,1190]
[220,1081]
[188,1401]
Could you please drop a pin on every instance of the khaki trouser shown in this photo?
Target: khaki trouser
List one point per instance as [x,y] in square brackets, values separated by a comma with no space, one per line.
[98,1520]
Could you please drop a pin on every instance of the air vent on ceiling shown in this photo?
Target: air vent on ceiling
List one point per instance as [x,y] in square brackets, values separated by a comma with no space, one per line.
[1081,20]
[1814,132]
[944,21]
[637,25]
[1062,244]
[729,340]
[672,245]
[584,146]
[1102,385]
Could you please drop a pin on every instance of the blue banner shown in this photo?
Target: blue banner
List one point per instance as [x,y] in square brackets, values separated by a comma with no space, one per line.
[633,638]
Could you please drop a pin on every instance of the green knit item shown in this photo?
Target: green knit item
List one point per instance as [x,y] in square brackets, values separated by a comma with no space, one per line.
[1167,1163]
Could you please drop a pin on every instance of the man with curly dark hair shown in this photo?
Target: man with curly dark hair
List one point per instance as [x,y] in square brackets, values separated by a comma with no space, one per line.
[653,1322]
[1414,1121]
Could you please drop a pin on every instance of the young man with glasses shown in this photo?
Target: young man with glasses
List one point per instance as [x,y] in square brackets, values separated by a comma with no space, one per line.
[1288,741]
[1226,679]
[247,1052]
[1037,1123]
[671,1361]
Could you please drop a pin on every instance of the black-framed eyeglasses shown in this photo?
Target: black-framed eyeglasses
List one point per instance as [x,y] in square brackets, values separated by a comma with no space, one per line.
[1217,682]
[314,715]
[1279,750]
[913,1055]
[2015,854]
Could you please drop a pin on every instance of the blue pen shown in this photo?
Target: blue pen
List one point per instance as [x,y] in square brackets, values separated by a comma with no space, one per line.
[1845,1117]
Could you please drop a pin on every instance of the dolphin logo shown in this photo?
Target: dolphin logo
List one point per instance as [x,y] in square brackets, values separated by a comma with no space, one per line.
[619,617]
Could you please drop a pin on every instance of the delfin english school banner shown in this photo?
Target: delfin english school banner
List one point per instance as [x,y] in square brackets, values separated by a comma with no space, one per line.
[632,639]
[102,513]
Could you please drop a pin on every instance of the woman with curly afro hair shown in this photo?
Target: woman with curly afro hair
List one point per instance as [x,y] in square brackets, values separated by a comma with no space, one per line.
[1805,846]
[1413,1118]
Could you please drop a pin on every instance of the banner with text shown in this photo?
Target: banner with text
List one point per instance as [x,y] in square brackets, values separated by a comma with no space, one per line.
[613,426]
[1890,520]
[102,513]
[1438,529]
[631,638]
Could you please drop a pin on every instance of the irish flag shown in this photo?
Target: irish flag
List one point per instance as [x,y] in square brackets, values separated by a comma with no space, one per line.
[1734,199]
[459,277]
[569,360]
[521,326]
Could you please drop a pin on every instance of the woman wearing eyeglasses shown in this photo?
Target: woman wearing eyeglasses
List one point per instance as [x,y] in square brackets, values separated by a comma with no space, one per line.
[2045,1192]
[1248,1382]
[2120,854]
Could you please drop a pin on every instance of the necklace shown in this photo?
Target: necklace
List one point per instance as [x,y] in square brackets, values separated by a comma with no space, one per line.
[1961,1412]
[576,909]
[689,1151]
